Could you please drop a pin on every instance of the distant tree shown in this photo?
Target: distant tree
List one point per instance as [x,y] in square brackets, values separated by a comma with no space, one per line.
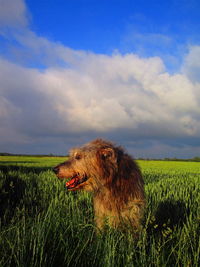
[197,159]
[5,154]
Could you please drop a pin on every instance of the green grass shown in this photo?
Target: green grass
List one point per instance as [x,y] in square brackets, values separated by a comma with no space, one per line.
[43,225]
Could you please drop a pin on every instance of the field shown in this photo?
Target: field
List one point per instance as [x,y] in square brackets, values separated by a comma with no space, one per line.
[43,225]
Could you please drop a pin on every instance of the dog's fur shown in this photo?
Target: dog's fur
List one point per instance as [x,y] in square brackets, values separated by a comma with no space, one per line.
[113,177]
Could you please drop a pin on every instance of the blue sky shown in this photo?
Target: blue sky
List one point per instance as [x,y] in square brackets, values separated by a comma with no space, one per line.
[128,71]
[148,28]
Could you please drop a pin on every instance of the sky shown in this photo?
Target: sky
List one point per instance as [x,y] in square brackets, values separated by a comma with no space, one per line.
[123,70]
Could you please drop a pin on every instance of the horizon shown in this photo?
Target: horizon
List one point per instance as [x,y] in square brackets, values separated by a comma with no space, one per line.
[125,71]
[5,154]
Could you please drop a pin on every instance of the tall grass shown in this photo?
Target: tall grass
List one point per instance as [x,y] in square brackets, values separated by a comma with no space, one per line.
[43,225]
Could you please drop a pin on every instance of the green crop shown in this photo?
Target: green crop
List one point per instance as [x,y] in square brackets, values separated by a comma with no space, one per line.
[43,225]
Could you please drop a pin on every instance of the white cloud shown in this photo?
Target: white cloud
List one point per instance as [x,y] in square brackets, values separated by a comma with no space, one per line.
[101,94]
[13,13]
[191,66]
[41,50]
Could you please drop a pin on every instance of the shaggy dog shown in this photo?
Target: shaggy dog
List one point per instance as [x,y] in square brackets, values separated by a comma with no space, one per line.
[113,177]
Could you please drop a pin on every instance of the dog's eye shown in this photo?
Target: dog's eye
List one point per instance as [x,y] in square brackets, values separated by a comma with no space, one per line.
[77,156]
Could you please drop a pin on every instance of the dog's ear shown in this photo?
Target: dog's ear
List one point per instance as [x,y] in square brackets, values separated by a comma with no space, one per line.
[108,153]
[107,162]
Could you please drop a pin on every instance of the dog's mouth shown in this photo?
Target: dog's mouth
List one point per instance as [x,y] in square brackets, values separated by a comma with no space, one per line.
[74,181]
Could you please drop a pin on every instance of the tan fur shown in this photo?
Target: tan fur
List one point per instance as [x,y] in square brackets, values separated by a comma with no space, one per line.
[113,177]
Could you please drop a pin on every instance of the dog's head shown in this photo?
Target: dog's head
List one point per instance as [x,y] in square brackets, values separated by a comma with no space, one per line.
[89,167]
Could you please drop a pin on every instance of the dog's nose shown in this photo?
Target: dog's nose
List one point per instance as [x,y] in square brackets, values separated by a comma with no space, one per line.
[55,170]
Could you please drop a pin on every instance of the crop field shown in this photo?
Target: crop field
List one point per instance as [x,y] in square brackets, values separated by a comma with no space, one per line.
[43,225]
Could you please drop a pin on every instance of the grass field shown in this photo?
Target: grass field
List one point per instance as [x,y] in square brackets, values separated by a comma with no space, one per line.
[43,225]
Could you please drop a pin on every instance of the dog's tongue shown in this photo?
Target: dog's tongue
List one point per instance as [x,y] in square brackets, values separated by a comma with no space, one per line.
[72,183]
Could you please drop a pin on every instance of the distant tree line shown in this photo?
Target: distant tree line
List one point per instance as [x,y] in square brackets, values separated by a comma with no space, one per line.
[27,155]
[194,159]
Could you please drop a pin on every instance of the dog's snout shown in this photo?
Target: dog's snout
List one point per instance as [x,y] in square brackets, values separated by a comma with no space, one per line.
[56,170]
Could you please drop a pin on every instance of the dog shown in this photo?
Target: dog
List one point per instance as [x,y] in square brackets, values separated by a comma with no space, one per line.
[114,178]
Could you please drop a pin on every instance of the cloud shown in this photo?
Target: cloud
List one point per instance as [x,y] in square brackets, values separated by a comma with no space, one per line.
[146,37]
[13,13]
[41,51]
[144,42]
[102,94]
[191,66]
